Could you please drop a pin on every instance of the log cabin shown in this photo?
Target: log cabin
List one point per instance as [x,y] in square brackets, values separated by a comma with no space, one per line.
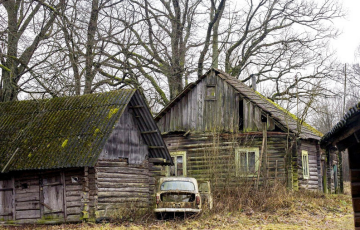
[77,158]
[220,129]
[346,135]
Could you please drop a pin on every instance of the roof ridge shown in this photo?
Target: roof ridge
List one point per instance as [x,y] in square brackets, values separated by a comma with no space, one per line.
[293,116]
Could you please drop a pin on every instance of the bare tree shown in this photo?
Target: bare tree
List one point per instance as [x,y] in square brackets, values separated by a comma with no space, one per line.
[24,28]
[275,39]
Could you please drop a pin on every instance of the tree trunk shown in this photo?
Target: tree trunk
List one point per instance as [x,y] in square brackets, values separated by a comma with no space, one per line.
[90,47]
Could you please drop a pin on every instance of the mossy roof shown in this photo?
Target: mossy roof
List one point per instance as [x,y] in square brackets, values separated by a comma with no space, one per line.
[60,132]
[281,115]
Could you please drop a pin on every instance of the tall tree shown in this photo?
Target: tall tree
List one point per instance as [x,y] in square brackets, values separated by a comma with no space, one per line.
[276,39]
[23,31]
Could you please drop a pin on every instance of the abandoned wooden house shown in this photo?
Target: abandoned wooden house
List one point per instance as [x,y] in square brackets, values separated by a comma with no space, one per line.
[220,129]
[76,158]
[346,135]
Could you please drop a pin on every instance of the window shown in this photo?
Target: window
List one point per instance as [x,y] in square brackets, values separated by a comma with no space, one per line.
[246,161]
[305,164]
[179,167]
[210,92]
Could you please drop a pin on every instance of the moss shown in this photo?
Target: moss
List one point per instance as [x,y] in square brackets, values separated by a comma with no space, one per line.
[312,129]
[96,132]
[112,112]
[63,132]
[64,143]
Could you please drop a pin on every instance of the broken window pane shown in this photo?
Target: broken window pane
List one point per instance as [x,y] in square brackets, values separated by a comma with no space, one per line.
[243,162]
[251,162]
[172,168]
[179,162]
[210,92]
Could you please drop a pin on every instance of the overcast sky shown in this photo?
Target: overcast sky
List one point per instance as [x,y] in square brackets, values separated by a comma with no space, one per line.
[348,41]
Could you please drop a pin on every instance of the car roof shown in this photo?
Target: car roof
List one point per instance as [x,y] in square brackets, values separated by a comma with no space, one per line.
[190,179]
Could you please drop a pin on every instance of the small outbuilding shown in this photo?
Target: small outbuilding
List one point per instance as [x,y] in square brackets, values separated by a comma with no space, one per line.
[74,158]
[346,135]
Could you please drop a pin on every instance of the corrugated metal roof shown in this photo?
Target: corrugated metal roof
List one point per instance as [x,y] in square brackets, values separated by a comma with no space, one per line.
[60,132]
[281,115]
[341,125]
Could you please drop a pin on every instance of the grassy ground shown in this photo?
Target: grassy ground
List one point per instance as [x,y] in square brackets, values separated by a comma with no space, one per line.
[292,210]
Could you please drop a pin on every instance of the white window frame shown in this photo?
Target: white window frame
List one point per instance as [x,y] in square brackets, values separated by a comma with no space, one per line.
[305,164]
[175,154]
[237,160]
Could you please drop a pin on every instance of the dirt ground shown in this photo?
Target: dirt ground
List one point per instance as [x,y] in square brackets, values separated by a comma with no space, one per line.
[282,210]
[326,212]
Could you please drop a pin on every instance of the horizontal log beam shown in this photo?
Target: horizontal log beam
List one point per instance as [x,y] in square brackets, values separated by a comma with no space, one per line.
[149,132]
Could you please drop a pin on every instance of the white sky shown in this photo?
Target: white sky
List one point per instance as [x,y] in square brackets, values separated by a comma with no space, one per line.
[349,40]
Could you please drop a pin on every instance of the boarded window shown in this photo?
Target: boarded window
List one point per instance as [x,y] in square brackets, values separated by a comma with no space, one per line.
[246,161]
[305,164]
[179,167]
[210,92]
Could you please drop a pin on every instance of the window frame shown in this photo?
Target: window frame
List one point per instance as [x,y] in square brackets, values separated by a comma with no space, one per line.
[210,97]
[305,162]
[237,160]
[176,154]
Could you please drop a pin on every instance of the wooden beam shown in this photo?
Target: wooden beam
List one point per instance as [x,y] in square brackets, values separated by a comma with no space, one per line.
[62,174]
[13,197]
[149,132]
[156,147]
[136,107]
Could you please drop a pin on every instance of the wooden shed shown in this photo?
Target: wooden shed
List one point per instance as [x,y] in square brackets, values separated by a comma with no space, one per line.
[220,129]
[74,158]
[346,135]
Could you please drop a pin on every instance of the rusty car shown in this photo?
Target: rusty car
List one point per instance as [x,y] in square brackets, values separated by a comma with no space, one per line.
[181,195]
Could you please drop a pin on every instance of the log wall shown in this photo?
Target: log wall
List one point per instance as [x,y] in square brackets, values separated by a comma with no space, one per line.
[121,186]
[314,181]
[213,157]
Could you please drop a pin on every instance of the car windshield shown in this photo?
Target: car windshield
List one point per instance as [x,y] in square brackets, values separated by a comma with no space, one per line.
[177,185]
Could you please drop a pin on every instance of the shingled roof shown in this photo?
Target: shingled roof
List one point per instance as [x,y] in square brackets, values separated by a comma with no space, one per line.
[346,123]
[67,131]
[279,114]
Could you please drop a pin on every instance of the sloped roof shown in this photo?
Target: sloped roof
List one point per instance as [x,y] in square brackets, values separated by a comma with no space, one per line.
[344,124]
[279,114]
[62,132]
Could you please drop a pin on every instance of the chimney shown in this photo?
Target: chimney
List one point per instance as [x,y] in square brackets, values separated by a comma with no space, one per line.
[253,81]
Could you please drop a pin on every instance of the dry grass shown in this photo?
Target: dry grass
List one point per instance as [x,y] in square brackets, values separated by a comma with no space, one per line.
[277,208]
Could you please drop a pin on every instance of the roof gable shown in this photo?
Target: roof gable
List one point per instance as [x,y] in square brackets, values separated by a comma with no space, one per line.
[60,132]
[279,114]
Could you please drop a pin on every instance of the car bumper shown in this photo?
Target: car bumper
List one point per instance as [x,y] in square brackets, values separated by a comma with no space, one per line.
[178,210]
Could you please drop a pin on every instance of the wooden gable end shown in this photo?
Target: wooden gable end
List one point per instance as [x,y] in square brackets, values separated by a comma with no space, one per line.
[125,141]
[211,105]
[214,105]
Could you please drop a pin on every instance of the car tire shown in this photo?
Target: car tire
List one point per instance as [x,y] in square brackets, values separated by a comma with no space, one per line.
[160,216]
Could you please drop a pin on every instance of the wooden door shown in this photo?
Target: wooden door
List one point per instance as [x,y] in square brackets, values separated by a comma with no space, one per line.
[52,196]
[6,200]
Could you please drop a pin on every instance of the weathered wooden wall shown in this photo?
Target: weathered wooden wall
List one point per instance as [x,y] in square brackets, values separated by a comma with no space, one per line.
[47,196]
[125,141]
[226,111]
[197,112]
[314,181]
[213,156]
[121,187]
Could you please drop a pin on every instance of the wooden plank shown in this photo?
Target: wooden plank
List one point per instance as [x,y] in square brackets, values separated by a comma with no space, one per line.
[27,197]
[28,214]
[32,205]
[64,194]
